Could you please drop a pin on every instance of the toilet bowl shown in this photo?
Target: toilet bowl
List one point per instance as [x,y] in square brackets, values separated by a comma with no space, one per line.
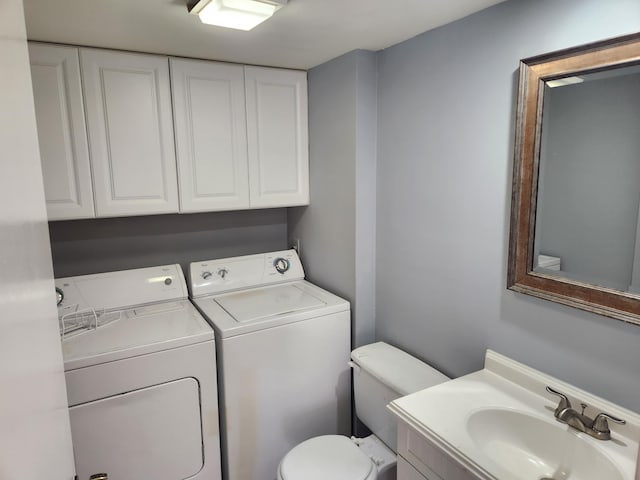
[381,374]
[327,457]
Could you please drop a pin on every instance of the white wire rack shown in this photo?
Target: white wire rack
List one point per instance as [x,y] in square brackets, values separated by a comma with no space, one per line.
[76,321]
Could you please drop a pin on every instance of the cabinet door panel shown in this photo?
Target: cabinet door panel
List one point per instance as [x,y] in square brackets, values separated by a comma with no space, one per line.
[130,131]
[407,472]
[427,457]
[55,73]
[277,137]
[210,127]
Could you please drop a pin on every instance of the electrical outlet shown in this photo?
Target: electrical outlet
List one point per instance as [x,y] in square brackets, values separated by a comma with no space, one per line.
[295,244]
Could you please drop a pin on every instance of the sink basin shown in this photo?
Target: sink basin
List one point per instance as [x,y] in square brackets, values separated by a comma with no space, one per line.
[498,424]
[533,448]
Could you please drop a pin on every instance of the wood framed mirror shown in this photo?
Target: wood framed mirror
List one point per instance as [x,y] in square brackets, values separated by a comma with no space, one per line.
[575,207]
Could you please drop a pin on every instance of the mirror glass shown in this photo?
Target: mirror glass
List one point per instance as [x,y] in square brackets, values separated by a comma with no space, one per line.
[588,195]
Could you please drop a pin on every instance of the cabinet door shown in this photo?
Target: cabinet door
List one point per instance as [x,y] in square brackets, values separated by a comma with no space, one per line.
[211,135]
[277,137]
[62,134]
[129,120]
[407,472]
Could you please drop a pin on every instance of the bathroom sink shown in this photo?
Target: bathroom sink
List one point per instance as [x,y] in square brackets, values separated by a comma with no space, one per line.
[535,448]
[499,423]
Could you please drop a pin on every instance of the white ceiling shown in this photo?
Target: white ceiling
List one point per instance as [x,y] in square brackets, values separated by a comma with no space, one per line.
[303,34]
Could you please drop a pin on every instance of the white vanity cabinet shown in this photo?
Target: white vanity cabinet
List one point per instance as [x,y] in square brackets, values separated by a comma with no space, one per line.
[277,134]
[211,135]
[407,472]
[130,126]
[424,460]
[62,135]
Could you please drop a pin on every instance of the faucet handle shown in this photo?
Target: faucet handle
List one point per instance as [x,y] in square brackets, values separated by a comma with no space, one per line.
[564,401]
[600,424]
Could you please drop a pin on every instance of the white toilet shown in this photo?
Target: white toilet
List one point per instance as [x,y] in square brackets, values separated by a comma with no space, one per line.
[382,373]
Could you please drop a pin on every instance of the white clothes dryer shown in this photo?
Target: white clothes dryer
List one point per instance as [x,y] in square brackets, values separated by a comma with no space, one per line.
[283,346]
[141,378]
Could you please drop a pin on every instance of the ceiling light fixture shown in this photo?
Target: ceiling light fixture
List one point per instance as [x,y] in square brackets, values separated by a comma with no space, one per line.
[238,14]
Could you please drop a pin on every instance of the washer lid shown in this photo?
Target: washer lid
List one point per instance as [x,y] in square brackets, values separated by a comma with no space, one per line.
[332,457]
[259,303]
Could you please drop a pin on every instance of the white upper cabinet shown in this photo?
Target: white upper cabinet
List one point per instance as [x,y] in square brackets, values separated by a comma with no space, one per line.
[211,135]
[62,134]
[129,121]
[277,137]
[241,138]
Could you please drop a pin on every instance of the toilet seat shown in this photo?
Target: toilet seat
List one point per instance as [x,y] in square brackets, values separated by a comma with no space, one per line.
[332,457]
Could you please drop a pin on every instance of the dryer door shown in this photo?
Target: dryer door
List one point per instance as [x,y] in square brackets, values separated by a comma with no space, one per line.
[153,432]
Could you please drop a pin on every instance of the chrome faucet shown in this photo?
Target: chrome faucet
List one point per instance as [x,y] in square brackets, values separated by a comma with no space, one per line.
[597,427]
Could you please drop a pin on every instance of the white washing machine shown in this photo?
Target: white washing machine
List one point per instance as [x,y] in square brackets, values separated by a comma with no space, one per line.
[141,377]
[283,345]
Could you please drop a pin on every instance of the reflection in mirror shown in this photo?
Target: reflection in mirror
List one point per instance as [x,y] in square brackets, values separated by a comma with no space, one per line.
[575,230]
[586,225]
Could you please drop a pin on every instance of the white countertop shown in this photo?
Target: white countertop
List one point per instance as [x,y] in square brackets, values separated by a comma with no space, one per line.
[441,414]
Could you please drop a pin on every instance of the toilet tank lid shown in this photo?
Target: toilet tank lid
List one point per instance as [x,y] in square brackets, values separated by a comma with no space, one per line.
[400,371]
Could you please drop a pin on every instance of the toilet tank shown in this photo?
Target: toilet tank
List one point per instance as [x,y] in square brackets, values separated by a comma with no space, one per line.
[381,374]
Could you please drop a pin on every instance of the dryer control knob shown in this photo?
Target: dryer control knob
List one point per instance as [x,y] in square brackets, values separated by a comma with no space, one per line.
[281,264]
[205,275]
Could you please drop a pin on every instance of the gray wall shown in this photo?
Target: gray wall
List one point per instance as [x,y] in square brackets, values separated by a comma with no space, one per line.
[590,174]
[337,230]
[92,246]
[446,109]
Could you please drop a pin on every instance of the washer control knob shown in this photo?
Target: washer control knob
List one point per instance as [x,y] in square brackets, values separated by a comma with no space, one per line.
[205,275]
[223,272]
[168,281]
[281,264]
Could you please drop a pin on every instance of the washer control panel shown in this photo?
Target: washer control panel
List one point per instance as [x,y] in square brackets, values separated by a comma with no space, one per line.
[227,274]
